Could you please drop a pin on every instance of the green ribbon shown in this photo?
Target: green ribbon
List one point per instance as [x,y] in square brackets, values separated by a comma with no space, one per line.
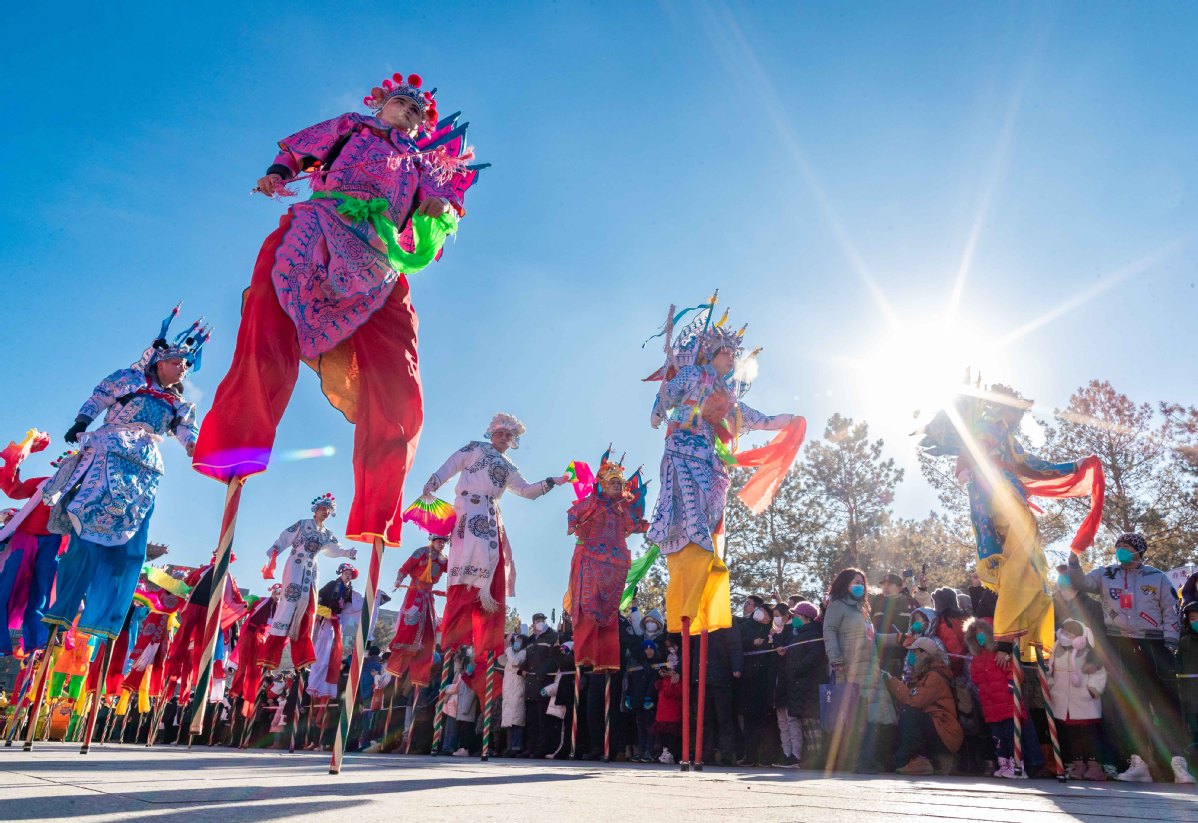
[429,233]
[636,573]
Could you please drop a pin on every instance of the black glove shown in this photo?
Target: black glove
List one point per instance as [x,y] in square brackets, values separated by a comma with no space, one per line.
[81,424]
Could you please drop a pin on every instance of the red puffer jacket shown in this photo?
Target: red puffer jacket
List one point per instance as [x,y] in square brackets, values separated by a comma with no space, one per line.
[669,701]
[993,682]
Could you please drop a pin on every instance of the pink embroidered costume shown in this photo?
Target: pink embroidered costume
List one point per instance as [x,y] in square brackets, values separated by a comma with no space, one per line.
[330,288]
[602,522]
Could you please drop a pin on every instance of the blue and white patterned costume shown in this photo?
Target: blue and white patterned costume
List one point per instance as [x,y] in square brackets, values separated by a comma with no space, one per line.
[694,480]
[106,491]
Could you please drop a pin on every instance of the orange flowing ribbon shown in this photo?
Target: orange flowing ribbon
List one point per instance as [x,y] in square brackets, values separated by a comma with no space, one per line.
[772,461]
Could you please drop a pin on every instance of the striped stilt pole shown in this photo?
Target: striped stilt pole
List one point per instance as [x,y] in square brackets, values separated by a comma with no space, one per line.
[97,698]
[606,718]
[124,725]
[38,689]
[107,733]
[349,698]
[702,702]
[215,601]
[1042,671]
[489,716]
[410,720]
[1017,696]
[439,711]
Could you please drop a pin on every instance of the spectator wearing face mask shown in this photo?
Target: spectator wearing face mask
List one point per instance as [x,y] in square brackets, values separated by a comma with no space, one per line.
[1076,681]
[511,715]
[860,742]
[1143,621]
[949,620]
[537,670]
[993,683]
[640,698]
[755,691]
[891,614]
[928,726]
[804,668]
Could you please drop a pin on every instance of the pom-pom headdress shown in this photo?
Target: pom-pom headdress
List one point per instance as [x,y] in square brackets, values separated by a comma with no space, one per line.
[346,566]
[410,87]
[507,422]
[326,500]
[187,345]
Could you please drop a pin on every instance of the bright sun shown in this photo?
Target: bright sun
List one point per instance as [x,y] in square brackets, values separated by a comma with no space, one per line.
[915,369]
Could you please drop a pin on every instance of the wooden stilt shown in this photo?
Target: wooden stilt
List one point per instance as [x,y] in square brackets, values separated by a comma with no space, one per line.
[349,698]
[684,760]
[94,712]
[39,689]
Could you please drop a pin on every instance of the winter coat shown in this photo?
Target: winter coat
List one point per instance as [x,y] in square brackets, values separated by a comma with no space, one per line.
[1085,609]
[512,712]
[755,690]
[1154,613]
[1069,687]
[1187,663]
[991,681]
[892,615]
[639,678]
[669,701]
[950,636]
[983,600]
[538,666]
[849,639]
[724,657]
[931,692]
[804,668]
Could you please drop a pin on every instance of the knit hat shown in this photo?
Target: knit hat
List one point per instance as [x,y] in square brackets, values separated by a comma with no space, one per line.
[944,599]
[1133,540]
[805,609]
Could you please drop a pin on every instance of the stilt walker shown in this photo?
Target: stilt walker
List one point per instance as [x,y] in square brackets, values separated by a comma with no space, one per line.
[103,495]
[481,568]
[414,643]
[703,380]
[330,288]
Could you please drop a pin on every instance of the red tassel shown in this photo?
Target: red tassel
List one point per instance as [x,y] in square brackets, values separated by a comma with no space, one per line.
[397,77]
[415,80]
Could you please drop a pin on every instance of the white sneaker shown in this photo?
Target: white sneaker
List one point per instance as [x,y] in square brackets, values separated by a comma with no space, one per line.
[1181,774]
[1137,772]
[666,757]
[461,753]
[1004,768]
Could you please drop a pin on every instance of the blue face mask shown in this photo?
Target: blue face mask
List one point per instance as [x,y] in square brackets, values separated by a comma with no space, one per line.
[796,621]
[857,591]
[917,627]
[1063,582]
[1194,625]
[982,638]
[1124,556]
[910,658]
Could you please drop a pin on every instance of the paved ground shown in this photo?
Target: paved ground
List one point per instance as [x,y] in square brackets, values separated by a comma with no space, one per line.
[129,783]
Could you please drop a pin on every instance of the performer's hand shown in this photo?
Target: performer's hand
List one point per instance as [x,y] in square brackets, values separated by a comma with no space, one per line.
[269,184]
[353,554]
[434,207]
[563,480]
[190,448]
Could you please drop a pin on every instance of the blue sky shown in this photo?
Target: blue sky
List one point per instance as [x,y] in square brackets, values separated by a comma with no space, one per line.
[834,168]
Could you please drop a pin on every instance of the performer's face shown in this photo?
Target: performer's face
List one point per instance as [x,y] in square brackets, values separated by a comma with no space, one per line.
[171,372]
[321,514]
[347,576]
[723,362]
[501,439]
[612,487]
[402,113]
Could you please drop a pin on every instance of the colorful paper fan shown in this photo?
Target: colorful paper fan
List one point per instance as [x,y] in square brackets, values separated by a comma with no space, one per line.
[582,477]
[436,517]
[164,581]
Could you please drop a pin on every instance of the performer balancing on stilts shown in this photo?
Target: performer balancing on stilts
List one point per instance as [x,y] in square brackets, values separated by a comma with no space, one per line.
[103,496]
[334,598]
[414,643]
[601,522]
[700,403]
[482,573]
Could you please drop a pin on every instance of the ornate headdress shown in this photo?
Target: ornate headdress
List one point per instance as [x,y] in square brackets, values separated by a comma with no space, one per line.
[609,469]
[188,345]
[326,500]
[507,422]
[697,343]
[346,566]
[399,86]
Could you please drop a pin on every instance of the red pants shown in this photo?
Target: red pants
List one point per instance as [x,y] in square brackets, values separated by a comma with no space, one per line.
[466,623]
[372,378]
[248,676]
[183,661]
[418,665]
[596,645]
[303,653]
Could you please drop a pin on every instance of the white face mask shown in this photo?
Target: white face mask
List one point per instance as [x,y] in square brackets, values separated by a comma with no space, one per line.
[651,627]
[778,622]
[759,614]
[539,626]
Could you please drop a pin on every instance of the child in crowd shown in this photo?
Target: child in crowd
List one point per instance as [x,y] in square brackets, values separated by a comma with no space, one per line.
[1076,681]
[994,685]
[667,723]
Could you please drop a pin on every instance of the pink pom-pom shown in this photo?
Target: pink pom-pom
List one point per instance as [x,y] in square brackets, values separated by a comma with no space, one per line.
[367,100]
[397,77]
[376,92]
[415,81]
[428,95]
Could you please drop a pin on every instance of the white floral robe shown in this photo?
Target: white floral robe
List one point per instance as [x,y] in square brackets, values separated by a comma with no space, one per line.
[694,480]
[484,475]
[306,540]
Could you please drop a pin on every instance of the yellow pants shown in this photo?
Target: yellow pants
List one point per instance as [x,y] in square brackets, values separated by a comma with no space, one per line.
[698,588]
